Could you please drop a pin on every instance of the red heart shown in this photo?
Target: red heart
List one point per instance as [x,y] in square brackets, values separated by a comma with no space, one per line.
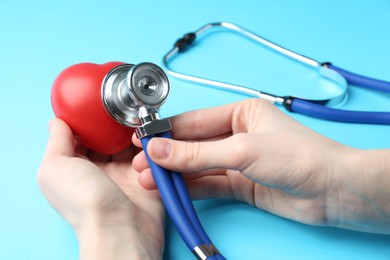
[76,99]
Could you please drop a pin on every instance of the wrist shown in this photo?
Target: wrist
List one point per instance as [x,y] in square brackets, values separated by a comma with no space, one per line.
[107,239]
[359,200]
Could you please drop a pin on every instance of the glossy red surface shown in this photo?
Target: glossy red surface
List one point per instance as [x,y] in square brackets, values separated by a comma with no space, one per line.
[76,99]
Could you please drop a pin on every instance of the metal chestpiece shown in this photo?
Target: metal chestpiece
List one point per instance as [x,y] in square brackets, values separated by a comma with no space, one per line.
[133,94]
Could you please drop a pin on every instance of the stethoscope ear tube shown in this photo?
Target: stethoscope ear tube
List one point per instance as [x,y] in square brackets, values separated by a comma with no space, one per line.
[318,111]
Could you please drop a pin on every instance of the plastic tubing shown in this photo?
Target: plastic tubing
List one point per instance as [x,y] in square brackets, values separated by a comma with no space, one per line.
[314,110]
[185,199]
[359,80]
[171,201]
[184,196]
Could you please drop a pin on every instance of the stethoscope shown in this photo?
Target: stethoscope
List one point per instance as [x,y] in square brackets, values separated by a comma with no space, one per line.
[132,95]
[318,108]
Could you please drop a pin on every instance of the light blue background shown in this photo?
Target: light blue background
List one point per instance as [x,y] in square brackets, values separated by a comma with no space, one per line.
[38,39]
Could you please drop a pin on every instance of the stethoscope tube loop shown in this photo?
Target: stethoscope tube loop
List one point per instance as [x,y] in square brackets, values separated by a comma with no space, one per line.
[308,107]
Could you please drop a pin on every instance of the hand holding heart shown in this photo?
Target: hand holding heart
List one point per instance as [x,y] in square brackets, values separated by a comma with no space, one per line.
[76,99]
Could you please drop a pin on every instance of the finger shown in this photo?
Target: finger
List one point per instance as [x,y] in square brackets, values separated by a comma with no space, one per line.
[236,118]
[203,123]
[136,141]
[196,175]
[207,187]
[140,162]
[202,188]
[61,140]
[257,156]
[208,139]
[146,180]
[199,184]
[231,153]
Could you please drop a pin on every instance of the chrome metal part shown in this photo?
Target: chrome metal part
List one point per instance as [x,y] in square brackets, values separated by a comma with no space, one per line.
[134,93]
[148,85]
[153,127]
[202,252]
[335,98]
[116,99]
[151,123]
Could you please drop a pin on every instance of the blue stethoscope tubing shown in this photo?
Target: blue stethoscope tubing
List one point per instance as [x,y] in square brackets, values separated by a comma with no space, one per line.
[312,108]
[360,80]
[177,202]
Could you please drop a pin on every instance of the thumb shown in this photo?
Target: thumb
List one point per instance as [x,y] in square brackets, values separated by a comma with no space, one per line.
[229,153]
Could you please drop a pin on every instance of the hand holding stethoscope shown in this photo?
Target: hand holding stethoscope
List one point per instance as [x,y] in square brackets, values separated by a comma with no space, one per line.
[88,97]
[130,95]
[255,153]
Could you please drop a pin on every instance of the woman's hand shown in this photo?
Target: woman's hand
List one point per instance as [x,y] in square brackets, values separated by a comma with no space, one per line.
[251,151]
[99,195]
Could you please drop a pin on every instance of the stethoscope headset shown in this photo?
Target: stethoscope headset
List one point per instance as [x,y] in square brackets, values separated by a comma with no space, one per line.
[319,108]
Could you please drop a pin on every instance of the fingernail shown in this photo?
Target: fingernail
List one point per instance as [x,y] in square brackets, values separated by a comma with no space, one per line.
[161,148]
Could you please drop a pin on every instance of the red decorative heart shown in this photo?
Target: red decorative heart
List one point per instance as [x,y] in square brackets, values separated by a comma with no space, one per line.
[76,99]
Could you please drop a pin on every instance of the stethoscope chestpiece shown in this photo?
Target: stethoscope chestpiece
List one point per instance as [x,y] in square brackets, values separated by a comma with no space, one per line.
[132,95]
[128,90]
[148,85]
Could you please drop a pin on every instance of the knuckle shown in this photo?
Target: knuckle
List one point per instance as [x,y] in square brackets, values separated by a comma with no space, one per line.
[240,141]
[249,112]
[197,124]
[192,155]
[241,152]
[254,104]
[258,103]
